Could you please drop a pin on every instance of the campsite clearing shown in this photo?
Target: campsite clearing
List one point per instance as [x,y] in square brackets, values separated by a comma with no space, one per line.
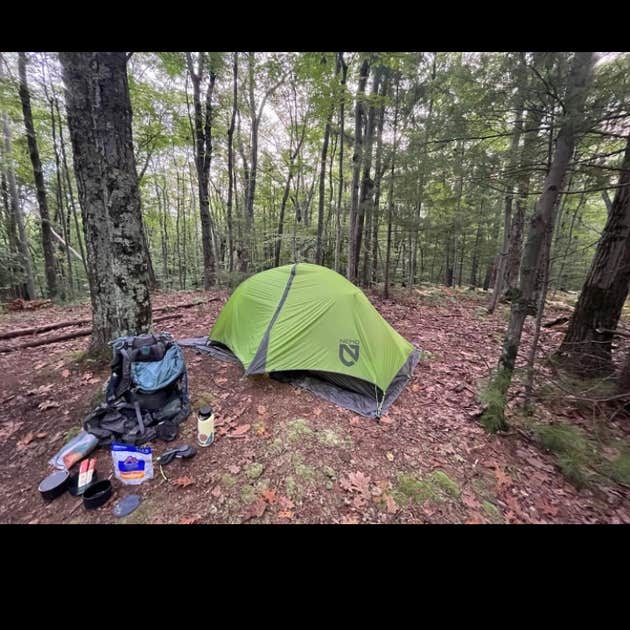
[283,455]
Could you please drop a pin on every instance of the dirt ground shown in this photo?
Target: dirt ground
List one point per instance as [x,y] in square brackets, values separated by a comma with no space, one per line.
[283,455]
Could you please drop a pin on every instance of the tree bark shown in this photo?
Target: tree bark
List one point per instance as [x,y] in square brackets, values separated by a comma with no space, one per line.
[390,195]
[605,289]
[47,244]
[493,417]
[338,238]
[322,182]
[230,135]
[99,119]
[69,190]
[203,156]
[519,100]
[25,278]
[367,183]
[357,159]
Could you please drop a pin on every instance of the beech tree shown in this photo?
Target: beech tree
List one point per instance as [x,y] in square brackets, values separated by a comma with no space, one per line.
[99,119]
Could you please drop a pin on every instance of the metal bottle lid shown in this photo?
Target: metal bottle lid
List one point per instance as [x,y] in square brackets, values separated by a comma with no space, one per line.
[205,411]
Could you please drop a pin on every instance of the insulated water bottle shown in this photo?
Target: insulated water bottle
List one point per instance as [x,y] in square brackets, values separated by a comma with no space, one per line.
[205,426]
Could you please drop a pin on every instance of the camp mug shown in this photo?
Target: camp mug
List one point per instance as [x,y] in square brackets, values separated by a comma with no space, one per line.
[205,426]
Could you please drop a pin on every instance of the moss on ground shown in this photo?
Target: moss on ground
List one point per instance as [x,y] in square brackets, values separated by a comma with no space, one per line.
[437,486]
[254,470]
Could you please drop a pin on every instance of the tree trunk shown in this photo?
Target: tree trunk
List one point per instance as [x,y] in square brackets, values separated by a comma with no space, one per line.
[69,190]
[203,156]
[99,119]
[587,343]
[371,249]
[390,196]
[60,196]
[357,159]
[25,277]
[519,100]
[322,185]
[47,244]
[367,183]
[344,73]
[493,417]
[230,135]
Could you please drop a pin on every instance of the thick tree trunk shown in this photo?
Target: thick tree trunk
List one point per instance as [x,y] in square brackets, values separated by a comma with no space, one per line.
[99,119]
[587,343]
[579,76]
[47,244]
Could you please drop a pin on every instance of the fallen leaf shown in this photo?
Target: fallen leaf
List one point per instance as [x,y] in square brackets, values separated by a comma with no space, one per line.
[261,409]
[286,503]
[392,508]
[390,457]
[65,373]
[9,429]
[356,482]
[349,520]
[42,435]
[240,431]
[191,520]
[471,502]
[216,491]
[386,420]
[27,439]
[94,380]
[256,509]
[48,404]
[183,482]
[269,496]
[317,411]
[234,469]
[285,514]
[502,478]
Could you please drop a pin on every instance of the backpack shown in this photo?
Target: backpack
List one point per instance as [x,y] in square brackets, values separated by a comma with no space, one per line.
[147,393]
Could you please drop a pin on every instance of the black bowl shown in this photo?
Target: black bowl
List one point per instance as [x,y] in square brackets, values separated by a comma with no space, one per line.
[97,494]
[54,485]
[73,483]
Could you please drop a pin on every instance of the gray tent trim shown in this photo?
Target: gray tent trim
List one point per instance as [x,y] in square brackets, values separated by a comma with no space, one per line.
[351,393]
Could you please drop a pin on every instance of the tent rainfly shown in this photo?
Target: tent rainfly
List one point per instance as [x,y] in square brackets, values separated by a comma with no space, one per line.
[307,325]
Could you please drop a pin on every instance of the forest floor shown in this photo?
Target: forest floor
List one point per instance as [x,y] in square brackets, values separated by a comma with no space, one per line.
[283,455]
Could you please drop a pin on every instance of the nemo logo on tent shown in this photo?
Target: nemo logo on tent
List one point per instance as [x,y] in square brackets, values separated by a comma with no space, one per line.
[348,351]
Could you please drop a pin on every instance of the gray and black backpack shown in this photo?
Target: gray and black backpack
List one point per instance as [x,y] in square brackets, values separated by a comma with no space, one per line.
[147,392]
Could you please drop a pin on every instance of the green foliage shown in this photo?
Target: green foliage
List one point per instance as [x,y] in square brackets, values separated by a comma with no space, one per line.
[619,468]
[574,450]
[437,486]
[493,396]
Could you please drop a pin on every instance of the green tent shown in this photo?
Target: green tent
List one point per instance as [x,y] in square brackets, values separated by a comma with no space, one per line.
[308,325]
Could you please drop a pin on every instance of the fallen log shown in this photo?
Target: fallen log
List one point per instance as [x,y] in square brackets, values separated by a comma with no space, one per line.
[88,331]
[35,330]
[556,322]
